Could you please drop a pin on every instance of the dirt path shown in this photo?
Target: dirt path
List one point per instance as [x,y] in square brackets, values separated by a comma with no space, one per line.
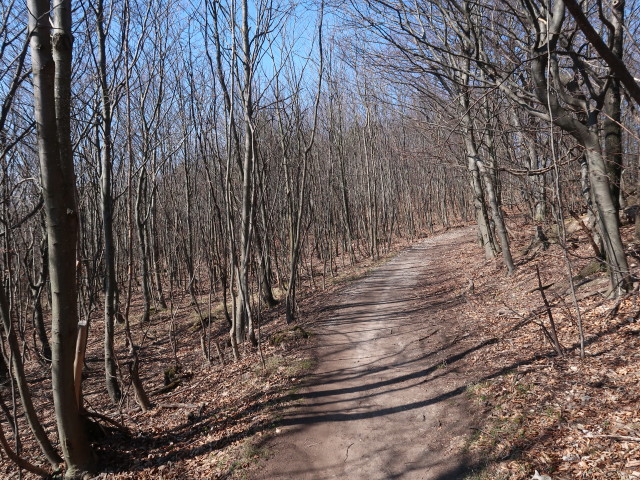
[387,398]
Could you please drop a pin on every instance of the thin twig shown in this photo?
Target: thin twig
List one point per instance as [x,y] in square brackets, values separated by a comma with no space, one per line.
[622,438]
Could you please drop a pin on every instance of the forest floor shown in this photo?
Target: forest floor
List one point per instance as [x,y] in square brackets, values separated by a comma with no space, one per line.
[433,366]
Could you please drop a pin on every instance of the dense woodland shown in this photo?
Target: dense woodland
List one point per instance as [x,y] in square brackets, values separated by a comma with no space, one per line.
[228,154]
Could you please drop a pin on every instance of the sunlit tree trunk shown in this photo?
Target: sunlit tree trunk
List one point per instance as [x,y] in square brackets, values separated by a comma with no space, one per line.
[106,168]
[611,123]
[51,61]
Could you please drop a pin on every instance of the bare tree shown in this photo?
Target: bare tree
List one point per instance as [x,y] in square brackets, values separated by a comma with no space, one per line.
[51,53]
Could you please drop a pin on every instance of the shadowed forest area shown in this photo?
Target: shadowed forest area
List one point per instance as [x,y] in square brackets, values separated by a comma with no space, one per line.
[191,192]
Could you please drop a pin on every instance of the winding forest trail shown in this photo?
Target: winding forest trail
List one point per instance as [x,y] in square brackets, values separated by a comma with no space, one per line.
[387,399]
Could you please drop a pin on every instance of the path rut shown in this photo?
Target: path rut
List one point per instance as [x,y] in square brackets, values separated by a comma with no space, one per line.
[387,398]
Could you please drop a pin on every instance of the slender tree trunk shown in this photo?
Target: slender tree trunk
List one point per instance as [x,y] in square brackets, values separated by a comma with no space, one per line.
[246,217]
[157,269]
[482,218]
[496,214]
[188,242]
[143,242]
[297,205]
[37,289]
[15,356]
[265,269]
[106,167]
[484,232]
[264,260]
[537,183]
[346,210]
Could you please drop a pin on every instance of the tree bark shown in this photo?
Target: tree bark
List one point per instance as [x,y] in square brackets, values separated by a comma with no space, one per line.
[611,126]
[243,314]
[36,293]
[615,62]
[15,356]
[51,63]
[143,242]
[496,214]
[585,132]
[106,167]
[482,220]
[607,216]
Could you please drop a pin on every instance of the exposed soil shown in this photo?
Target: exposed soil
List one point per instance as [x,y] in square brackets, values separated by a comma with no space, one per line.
[387,399]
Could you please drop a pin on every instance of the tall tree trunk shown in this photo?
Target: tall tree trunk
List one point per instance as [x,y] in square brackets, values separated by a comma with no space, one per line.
[471,150]
[489,174]
[496,214]
[246,216]
[607,216]
[143,242]
[482,219]
[106,168]
[537,183]
[155,253]
[51,62]
[584,132]
[346,211]
[612,128]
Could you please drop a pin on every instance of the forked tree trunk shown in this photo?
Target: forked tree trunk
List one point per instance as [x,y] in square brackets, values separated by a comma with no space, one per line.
[482,219]
[471,150]
[496,214]
[51,63]
[243,309]
[607,217]
[585,133]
